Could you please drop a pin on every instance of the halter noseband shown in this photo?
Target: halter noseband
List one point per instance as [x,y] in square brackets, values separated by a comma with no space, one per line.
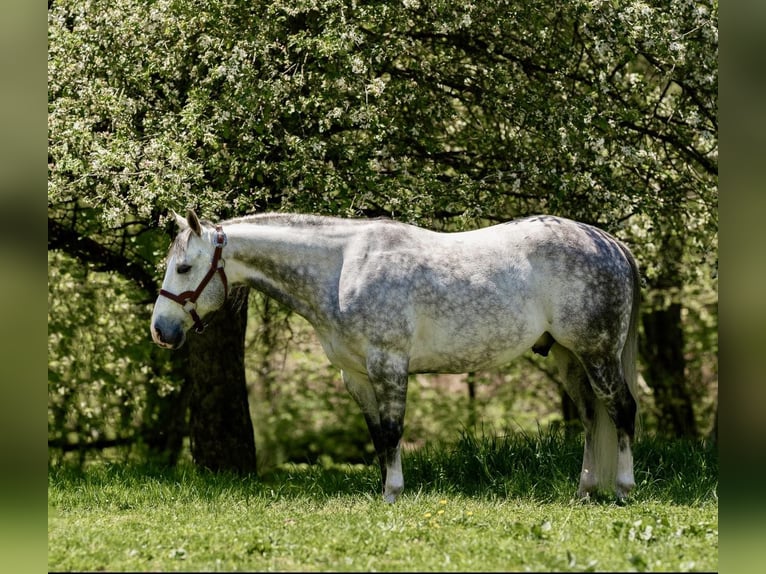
[188,299]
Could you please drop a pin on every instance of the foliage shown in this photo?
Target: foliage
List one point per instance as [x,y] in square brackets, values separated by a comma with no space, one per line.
[447,114]
[98,363]
[597,110]
[453,516]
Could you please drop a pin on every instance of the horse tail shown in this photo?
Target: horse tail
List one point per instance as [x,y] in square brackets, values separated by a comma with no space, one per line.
[629,356]
[605,447]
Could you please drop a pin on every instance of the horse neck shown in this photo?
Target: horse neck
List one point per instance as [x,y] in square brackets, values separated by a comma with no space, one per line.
[296,264]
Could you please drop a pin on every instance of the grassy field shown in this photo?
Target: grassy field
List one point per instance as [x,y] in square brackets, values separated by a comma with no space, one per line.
[481,504]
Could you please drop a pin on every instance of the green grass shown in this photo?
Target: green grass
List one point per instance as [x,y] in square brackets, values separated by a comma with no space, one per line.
[482,504]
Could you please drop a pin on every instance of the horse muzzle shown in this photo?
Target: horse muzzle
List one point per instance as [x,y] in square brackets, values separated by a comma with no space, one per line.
[166,335]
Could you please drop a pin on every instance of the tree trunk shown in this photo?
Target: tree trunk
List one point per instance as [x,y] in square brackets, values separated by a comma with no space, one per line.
[569,414]
[220,427]
[662,346]
[663,350]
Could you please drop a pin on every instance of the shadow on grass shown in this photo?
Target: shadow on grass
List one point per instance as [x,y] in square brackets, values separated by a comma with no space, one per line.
[542,467]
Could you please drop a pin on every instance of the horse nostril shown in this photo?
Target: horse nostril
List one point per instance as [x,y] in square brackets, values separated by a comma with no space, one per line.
[167,336]
[159,337]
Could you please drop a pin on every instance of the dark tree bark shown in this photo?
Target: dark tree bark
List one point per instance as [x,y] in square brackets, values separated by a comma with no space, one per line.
[663,348]
[569,413]
[220,427]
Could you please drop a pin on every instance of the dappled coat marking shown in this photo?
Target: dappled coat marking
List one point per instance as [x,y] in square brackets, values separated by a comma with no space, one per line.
[389,299]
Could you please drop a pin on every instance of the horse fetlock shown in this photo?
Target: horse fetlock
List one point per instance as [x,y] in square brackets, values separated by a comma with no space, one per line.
[625,478]
[394,486]
[394,478]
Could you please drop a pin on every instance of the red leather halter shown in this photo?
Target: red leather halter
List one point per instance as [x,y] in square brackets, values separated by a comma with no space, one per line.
[188,299]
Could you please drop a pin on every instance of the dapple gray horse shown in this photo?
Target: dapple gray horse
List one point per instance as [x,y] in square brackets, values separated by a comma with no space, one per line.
[389,299]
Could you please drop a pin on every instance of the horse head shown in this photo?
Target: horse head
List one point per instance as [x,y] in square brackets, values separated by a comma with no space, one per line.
[194,284]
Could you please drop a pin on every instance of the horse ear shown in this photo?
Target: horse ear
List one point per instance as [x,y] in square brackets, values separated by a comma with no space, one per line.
[180,221]
[193,222]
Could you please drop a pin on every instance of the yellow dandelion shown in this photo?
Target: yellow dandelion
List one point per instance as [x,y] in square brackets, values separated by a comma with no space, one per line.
[442,501]
[440,512]
[469,513]
[427,515]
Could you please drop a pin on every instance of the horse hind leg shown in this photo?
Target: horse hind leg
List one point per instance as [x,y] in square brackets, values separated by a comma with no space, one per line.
[578,387]
[613,392]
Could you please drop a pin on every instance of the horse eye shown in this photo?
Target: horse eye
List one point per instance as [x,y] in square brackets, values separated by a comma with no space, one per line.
[182,268]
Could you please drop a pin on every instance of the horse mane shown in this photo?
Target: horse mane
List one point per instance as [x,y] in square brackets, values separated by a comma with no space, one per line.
[181,241]
[298,219]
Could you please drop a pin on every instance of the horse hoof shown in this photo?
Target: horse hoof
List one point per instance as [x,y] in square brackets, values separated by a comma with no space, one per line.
[582,497]
[584,494]
[389,498]
[587,485]
[623,490]
[621,499]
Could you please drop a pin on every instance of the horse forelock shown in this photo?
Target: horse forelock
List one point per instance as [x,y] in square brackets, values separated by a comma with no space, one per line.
[180,243]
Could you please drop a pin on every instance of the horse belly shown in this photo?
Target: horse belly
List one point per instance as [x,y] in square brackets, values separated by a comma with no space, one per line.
[448,347]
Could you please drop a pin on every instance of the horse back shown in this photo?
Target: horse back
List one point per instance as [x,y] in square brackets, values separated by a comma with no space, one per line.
[457,301]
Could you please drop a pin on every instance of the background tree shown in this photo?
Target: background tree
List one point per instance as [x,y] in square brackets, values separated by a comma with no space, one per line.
[451,115]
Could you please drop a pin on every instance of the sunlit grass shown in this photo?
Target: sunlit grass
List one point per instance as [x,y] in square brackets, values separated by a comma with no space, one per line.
[480,504]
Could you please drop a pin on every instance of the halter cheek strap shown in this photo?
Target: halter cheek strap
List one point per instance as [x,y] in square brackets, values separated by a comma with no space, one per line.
[188,299]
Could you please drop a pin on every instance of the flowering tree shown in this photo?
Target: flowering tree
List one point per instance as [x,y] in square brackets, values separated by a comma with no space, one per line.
[447,114]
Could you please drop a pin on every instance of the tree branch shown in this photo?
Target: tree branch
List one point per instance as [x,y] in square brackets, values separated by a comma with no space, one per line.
[90,251]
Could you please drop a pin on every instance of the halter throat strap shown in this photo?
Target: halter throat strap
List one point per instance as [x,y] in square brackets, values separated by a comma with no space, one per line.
[188,299]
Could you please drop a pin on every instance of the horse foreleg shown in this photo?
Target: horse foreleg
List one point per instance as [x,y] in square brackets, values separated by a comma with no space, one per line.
[360,388]
[388,376]
[382,405]
[391,467]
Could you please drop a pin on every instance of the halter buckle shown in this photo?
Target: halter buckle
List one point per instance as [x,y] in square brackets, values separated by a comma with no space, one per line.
[220,237]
